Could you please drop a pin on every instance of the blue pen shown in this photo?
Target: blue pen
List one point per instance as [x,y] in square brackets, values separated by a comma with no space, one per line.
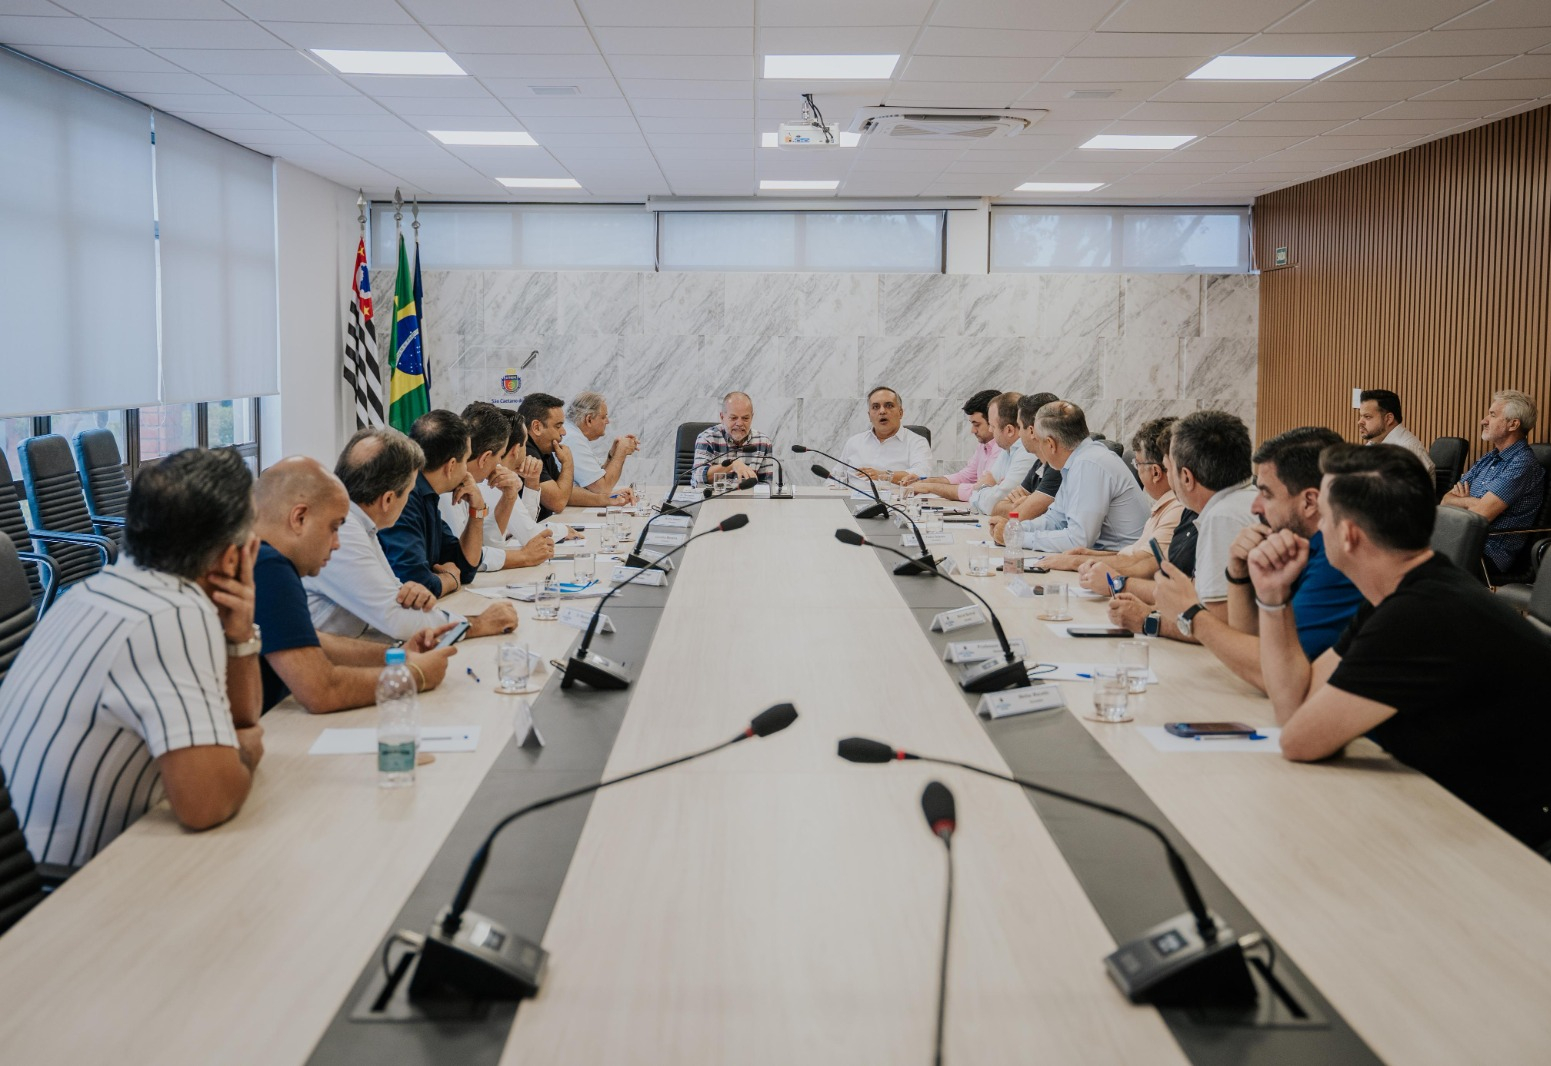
[470,671]
[1109,579]
[1086,677]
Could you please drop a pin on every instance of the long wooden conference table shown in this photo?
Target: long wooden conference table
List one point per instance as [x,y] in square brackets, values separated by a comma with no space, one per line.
[772,903]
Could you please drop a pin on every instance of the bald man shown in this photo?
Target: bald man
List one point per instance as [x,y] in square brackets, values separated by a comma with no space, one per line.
[299,508]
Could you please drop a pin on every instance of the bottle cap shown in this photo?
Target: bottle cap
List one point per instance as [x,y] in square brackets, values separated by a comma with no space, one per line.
[1013,517]
[395,657]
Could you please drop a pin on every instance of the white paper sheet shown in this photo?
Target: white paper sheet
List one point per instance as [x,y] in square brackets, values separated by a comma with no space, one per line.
[1080,672]
[441,738]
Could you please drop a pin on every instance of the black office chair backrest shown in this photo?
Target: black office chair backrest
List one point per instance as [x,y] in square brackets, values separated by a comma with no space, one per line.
[54,493]
[923,431]
[1540,598]
[1542,454]
[17,615]
[684,449]
[13,523]
[102,475]
[1113,445]
[20,887]
[1460,537]
[1448,456]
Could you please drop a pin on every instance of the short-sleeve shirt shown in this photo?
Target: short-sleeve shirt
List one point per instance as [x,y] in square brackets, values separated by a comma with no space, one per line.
[1323,602]
[551,472]
[1042,477]
[1468,678]
[1514,476]
[280,609]
[586,467]
[126,667]
[1217,527]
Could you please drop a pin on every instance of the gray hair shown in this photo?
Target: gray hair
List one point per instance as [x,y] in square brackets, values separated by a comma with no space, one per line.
[728,399]
[1518,405]
[584,405]
[378,460]
[1064,421]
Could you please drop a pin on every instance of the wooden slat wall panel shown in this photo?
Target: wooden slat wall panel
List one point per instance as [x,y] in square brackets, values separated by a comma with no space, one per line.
[1426,272]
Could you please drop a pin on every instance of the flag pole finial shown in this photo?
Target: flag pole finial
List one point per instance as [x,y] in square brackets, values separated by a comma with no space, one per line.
[414,210]
[398,205]
[360,208]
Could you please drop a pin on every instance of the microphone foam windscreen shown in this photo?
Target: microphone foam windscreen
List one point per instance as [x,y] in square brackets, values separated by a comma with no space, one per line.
[820,470]
[748,483]
[705,493]
[773,719]
[731,522]
[850,536]
[799,448]
[863,749]
[937,805]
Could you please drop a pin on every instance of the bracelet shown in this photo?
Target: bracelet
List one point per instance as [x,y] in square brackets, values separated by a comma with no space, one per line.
[418,673]
[1246,580]
[1272,607]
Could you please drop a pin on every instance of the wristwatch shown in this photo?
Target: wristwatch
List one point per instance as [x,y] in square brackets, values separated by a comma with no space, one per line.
[1151,623]
[252,646]
[1118,582]
[1186,617]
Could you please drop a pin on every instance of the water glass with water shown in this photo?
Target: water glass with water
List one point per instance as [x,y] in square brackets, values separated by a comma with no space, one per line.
[514,670]
[1058,607]
[1133,656]
[1110,693]
[586,565]
[546,601]
[980,560]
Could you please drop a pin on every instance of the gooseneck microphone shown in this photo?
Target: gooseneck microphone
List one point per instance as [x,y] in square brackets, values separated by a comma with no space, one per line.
[635,558]
[779,492]
[467,955]
[1192,960]
[876,510]
[987,676]
[599,671]
[937,804]
[909,569]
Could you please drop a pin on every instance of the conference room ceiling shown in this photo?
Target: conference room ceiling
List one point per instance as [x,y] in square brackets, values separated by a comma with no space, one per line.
[665,97]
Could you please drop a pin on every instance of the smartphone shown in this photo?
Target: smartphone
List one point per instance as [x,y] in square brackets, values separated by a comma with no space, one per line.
[1036,569]
[1157,552]
[1191,730]
[1099,631]
[458,631]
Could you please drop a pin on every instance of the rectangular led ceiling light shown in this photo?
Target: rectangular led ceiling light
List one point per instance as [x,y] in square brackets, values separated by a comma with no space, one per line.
[540,183]
[351,61]
[842,139]
[482,137]
[808,185]
[825,68]
[1152,142]
[1269,68]
[1059,186]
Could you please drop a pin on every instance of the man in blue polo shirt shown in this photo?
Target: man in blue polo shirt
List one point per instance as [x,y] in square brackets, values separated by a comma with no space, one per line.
[1506,485]
[1287,480]
[421,546]
[299,507]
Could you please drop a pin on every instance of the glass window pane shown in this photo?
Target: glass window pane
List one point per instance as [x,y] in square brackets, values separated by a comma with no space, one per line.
[729,240]
[1157,240]
[167,429]
[596,238]
[513,237]
[69,424]
[904,242]
[12,432]
[1052,240]
[231,422]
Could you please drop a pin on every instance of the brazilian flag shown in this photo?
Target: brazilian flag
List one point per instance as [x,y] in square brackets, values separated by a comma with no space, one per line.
[408,396]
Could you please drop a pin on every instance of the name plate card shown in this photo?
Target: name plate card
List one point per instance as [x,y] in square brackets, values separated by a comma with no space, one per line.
[685,494]
[665,538]
[673,521]
[622,574]
[947,568]
[958,618]
[1017,701]
[524,728]
[1023,590]
[577,618]
[938,538]
[975,651]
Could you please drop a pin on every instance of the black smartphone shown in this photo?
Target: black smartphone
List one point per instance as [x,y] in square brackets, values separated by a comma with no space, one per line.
[1191,730]
[453,635]
[1099,631]
[1157,552]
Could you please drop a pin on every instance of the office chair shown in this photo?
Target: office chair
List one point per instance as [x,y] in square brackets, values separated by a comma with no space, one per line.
[1526,565]
[106,484]
[42,575]
[59,510]
[1460,536]
[684,449]
[923,431]
[1539,607]
[1448,456]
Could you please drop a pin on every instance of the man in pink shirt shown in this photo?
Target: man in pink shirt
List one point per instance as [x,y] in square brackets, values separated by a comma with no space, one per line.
[959,486]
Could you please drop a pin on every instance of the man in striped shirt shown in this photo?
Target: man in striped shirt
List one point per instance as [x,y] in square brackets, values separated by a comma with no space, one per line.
[143,681]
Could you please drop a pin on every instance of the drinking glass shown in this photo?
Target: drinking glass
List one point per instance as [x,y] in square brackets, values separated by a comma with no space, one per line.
[931,521]
[1133,656]
[546,602]
[980,560]
[586,564]
[1110,695]
[1058,606]
[514,671]
[610,534]
[621,521]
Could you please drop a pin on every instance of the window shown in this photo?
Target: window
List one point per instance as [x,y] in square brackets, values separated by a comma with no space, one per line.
[68,425]
[1131,240]
[12,432]
[232,422]
[518,237]
[167,429]
[907,242]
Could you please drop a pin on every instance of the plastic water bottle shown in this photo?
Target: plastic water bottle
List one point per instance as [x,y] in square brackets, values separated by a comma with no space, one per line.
[398,723]
[1012,541]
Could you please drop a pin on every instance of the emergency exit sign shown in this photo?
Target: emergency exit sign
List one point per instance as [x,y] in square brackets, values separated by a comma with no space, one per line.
[1279,257]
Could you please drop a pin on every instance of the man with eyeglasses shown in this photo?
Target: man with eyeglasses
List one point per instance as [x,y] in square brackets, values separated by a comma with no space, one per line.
[731,446]
[888,451]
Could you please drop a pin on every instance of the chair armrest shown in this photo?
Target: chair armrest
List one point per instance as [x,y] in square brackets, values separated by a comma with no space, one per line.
[54,874]
[1510,532]
[48,575]
[108,520]
[106,546]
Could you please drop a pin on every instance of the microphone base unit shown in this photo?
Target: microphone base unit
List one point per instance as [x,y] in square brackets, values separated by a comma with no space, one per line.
[594,671]
[641,562]
[872,510]
[994,675]
[483,960]
[914,568]
[1171,966]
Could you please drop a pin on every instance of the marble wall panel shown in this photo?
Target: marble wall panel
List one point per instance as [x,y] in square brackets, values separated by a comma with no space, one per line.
[682,304]
[822,368]
[455,301]
[1066,366]
[1220,372]
[600,301]
[1082,305]
[1140,367]
[1230,306]
[1000,305]
[921,305]
[760,303]
[828,423]
[576,362]
[974,363]
[518,302]
[751,363]
[1162,305]
[912,366]
[662,365]
[838,305]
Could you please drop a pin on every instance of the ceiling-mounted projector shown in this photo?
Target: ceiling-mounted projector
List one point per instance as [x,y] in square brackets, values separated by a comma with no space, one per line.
[809,131]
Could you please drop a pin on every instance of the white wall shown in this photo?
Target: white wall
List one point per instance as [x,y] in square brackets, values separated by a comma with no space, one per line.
[316,222]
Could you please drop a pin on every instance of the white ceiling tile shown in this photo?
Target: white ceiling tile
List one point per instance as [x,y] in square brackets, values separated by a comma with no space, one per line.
[658,124]
[1446,109]
[1357,145]
[1182,166]
[1049,92]
[1403,127]
[494,12]
[1200,111]
[1504,14]
[283,84]
[133,84]
[1060,15]
[397,37]
[553,69]
[782,89]
[19,31]
[506,160]
[849,13]
[540,124]
[224,104]
[145,9]
[837,109]
[668,12]
[186,33]
[1087,110]
[963,68]
[837,40]
[1520,67]
[1488,89]
[1161,69]
[268,139]
[41,8]
[1473,42]
[1193,16]
[257,120]
[1145,45]
[91,60]
[423,112]
[1412,68]
[377,138]
[1221,91]
[323,124]
[679,89]
[1288,128]
[1304,111]
[517,41]
[697,140]
[522,88]
[1011,44]
[1383,91]
[1518,108]
[318,105]
[1342,16]
[1249,147]
[361,11]
[555,106]
[245,61]
[1320,44]
[639,41]
[728,156]
[557,142]
[932,94]
[708,68]
[443,88]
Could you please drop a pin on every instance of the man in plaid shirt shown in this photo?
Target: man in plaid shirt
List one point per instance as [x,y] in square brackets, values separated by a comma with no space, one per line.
[732,446]
[1506,485]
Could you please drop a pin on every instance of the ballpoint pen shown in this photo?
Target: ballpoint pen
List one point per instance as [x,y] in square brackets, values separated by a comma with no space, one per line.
[470,671]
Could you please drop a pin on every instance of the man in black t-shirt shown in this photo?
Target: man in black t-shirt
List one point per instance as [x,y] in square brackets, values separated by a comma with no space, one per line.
[1446,677]
[543,416]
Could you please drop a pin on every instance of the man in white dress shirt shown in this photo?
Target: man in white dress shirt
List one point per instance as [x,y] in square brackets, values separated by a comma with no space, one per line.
[490,441]
[1099,503]
[595,473]
[888,451]
[1378,422]
[357,593]
[1013,460]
